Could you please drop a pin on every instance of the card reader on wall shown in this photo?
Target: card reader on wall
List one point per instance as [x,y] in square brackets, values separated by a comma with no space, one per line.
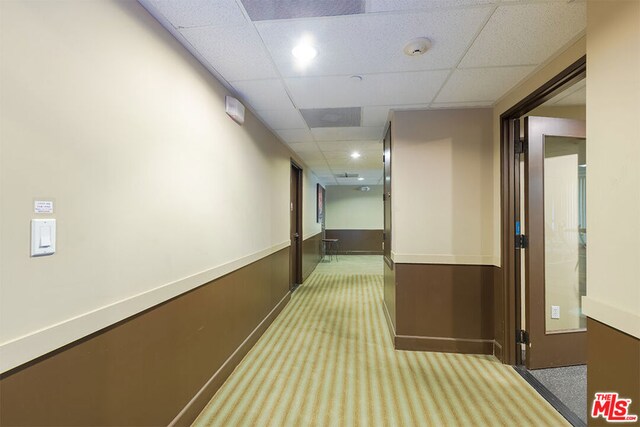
[43,237]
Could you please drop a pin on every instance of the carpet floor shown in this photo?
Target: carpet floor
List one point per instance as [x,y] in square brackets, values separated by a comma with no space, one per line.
[569,384]
[328,360]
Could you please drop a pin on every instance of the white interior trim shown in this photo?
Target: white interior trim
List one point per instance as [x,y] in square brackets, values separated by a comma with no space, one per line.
[20,350]
[445,259]
[625,321]
[308,235]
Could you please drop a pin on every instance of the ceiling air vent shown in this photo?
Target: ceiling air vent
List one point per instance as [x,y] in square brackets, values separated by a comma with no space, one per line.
[347,175]
[332,117]
[260,10]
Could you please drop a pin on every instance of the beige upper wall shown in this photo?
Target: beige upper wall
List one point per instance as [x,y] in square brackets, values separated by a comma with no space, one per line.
[349,208]
[613,159]
[442,186]
[156,189]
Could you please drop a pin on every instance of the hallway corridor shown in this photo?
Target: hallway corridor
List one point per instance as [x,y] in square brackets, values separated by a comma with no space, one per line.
[328,360]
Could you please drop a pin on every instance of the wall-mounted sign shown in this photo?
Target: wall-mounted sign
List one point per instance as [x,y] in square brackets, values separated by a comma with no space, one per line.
[43,206]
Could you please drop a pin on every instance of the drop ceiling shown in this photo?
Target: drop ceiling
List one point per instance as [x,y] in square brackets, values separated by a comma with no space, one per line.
[480,49]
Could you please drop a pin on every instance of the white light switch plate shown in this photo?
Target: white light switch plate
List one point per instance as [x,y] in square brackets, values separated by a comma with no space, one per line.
[43,237]
[555,311]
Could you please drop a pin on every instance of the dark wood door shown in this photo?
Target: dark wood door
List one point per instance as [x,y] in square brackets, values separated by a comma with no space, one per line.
[386,235]
[295,253]
[555,257]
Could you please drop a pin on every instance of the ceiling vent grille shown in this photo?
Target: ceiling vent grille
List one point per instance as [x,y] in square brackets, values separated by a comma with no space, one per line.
[261,10]
[347,175]
[332,117]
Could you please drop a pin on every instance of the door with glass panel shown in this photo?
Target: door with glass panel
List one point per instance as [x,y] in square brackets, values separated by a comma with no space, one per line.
[555,263]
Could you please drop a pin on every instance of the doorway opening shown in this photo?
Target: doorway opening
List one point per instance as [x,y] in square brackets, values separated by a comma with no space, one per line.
[295,220]
[544,239]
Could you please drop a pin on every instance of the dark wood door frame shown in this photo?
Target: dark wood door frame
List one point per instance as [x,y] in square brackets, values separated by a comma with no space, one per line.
[295,269]
[508,181]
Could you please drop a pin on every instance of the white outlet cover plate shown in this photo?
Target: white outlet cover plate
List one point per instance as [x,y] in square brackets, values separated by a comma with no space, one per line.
[555,311]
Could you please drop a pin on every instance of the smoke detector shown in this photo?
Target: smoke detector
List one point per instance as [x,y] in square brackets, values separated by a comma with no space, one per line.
[417,47]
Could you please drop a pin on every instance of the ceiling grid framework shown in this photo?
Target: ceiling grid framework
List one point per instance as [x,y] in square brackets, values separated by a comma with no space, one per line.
[480,49]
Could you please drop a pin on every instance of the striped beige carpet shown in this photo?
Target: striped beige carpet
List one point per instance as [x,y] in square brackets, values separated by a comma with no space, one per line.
[328,360]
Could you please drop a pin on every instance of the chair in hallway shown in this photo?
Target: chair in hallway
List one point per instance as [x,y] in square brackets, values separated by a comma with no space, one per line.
[329,245]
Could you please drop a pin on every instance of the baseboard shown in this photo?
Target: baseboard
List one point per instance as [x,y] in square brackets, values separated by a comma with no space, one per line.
[387,316]
[497,350]
[191,411]
[445,345]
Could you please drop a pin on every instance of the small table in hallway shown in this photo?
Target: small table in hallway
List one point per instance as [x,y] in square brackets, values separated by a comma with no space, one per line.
[328,245]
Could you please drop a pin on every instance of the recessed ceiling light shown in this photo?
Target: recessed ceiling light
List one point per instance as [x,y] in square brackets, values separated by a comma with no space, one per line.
[304,51]
[417,47]
[356,78]
[361,179]
[355,155]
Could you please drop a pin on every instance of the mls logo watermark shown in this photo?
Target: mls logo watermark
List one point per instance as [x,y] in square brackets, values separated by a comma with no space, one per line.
[612,408]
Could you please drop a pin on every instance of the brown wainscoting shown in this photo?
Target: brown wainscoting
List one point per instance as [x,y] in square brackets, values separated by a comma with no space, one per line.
[357,242]
[443,307]
[447,345]
[158,367]
[311,254]
[498,313]
[613,360]
[389,297]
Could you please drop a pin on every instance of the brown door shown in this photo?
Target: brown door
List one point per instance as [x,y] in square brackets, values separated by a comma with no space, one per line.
[295,261]
[386,197]
[555,256]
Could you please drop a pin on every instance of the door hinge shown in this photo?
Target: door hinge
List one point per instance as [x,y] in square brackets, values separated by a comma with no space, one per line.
[522,336]
[520,146]
[521,241]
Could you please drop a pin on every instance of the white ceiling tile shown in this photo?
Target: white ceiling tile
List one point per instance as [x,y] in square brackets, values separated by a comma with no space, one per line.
[520,34]
[323,172]
[282,119]
[347,134]
[264,94]
[375,116]
[372,43]
[295,135]
[304,147]
[373,6]
[439,105]
[198,13]
[372,145]
[320,164]
[375,89]
[312,156]
[237,52]
[365,161]
[481,84]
